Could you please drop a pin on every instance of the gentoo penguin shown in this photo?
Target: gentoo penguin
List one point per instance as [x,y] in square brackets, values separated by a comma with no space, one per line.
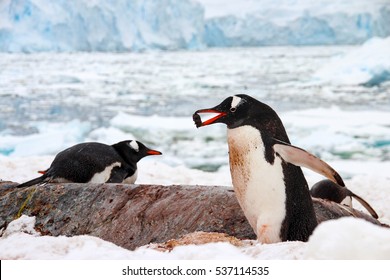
[326,189]
[268,182]
[95,163]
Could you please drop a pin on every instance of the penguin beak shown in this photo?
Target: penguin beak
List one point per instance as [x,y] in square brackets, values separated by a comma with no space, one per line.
[198,120]
[153,153]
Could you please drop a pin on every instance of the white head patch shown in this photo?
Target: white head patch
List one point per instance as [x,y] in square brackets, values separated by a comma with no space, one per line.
[236,100]
[134,145]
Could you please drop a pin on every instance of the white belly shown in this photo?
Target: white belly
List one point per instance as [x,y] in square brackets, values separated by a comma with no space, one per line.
[347,201]
[103,176]
[131,180]
[259,186]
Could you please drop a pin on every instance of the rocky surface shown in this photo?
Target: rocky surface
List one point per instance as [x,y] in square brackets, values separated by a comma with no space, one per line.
[135,215]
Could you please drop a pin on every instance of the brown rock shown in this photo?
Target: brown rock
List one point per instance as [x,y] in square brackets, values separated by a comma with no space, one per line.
[127,215]
[135,215]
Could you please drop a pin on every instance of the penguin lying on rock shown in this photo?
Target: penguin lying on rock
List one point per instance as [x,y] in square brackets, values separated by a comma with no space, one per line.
[268,182]
[95,163]
[326,189]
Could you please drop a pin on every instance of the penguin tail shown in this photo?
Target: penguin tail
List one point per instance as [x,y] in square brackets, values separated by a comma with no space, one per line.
[33,181]
[365,204]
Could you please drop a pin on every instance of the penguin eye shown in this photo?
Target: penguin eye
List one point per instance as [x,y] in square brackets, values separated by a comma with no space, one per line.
[233,109]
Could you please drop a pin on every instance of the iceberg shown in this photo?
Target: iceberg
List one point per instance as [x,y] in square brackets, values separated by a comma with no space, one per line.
[368,65]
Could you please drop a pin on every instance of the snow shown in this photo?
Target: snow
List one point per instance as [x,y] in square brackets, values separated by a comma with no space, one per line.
[128,25]
[368,65]
[349,239]
[30,245]
[343,239]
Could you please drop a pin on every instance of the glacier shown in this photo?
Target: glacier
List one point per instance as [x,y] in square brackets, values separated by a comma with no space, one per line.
[301,22]
[99,25]
[137,25]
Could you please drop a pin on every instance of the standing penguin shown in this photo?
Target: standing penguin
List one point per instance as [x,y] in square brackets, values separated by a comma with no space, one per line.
[95,163]
[326,189]
[268,182]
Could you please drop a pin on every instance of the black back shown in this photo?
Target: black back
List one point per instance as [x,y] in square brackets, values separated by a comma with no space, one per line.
[81,162]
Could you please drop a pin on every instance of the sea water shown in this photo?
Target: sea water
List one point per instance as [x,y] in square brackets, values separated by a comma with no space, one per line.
[50,101]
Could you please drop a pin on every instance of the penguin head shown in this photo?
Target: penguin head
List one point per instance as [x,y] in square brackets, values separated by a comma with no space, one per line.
[132,151]
[327,189]
[242,109]
[227,112]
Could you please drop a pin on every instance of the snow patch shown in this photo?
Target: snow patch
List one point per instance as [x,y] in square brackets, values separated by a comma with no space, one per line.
[23,224]
[348,239]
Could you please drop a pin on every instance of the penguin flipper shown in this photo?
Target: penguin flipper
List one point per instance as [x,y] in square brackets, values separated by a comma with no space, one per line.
[365,205]
[33,182]
[118,175]
[300,157]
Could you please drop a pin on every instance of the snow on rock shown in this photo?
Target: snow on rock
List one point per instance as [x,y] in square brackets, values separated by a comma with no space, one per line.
[368,65]
[23,224]
[348,238]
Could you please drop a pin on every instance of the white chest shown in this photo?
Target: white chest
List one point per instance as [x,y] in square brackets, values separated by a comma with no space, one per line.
[131,180]
[103,176]
[259,185]
[347,201]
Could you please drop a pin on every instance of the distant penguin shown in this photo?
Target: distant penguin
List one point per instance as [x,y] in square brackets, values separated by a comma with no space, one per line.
[326,189]
[95,163]
[268,182]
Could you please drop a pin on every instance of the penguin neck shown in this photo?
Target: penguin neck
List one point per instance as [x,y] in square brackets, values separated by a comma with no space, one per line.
[129,159]
[265,188]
